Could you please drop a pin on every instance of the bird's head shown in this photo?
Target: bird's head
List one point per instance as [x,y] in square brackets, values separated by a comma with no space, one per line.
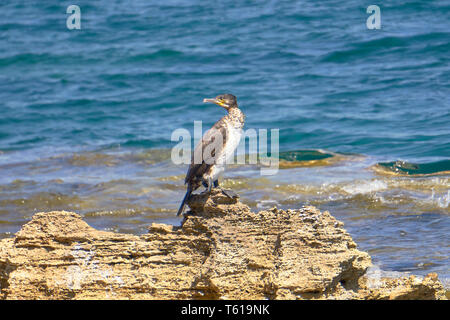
[226,101]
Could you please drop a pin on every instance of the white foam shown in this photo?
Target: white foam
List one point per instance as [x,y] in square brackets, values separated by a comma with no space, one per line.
[365,187]
[265,204]
[441,201]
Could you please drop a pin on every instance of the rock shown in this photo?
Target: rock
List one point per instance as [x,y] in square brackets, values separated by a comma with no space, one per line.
[406,288]
[222,251]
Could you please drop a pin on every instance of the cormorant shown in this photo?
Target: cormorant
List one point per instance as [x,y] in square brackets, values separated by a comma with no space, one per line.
[215,149]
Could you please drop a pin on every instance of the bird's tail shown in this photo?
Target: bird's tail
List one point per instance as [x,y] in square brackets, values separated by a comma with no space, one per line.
[183,203]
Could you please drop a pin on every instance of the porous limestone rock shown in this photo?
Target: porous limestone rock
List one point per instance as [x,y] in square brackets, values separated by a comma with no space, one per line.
[223,250]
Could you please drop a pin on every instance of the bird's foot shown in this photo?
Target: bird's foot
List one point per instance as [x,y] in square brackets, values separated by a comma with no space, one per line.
[229,193]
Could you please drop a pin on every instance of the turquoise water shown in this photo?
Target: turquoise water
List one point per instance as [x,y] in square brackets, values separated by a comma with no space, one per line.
[87,115]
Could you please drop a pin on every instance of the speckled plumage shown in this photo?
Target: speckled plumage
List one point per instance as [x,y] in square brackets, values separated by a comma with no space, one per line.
[216,147]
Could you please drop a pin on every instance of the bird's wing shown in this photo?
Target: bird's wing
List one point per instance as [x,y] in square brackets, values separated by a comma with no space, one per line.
[205,152]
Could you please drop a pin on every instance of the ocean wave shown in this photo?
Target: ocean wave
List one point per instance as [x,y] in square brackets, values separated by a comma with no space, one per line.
[365,187]
[304,155]
[28,59]
[377,194]
[362,49]
[413,169]
[314,158]
[161,53]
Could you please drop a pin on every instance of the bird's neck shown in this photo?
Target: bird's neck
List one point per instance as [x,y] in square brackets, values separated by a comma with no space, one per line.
[236,117]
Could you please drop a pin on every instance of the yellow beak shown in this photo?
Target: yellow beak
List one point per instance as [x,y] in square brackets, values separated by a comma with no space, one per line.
[214,100]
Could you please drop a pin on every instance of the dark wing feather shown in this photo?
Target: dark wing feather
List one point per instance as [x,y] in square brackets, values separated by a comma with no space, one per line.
[215,147]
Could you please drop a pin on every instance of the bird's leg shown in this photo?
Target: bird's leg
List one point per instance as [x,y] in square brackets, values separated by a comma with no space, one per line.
[210,185]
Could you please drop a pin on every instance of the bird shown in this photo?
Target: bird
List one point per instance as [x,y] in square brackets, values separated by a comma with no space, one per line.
[215,149]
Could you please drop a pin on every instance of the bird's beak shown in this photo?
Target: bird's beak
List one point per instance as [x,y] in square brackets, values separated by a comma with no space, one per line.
[214,100]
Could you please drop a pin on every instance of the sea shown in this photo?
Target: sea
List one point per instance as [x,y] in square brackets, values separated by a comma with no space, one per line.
[90,98]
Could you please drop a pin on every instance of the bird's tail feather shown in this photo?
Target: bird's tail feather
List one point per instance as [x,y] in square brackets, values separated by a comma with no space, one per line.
[183,203]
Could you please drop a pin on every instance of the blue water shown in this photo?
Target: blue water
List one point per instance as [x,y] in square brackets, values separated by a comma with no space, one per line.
[138,70]
[84,112]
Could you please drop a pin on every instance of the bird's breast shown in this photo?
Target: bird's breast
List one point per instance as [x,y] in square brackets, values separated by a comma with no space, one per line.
[232,141]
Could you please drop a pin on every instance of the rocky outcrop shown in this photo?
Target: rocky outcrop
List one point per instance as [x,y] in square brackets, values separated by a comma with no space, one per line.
[222,251]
